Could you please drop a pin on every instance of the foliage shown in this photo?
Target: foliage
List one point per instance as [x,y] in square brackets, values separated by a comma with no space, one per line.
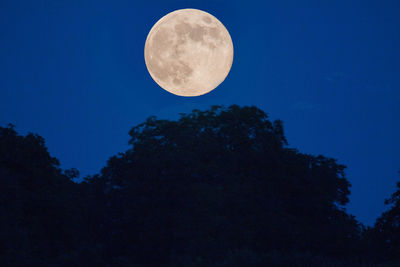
[384,237]
[224,179]
[219,187]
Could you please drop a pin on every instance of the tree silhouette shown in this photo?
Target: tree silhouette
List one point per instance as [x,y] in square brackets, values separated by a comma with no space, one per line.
[219,187]
[221,180]
[37,203]
[384,237]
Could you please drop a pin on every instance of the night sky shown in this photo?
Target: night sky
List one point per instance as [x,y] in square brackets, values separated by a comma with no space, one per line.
[74,72]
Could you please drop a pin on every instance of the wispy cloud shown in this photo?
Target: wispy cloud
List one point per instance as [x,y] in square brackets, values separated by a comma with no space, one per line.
[334,77]
[303,106]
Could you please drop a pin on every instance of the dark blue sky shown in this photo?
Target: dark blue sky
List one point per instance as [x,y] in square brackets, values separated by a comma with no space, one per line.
[74,72]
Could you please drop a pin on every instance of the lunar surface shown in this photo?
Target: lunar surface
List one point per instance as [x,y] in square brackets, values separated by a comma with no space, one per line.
[188,52]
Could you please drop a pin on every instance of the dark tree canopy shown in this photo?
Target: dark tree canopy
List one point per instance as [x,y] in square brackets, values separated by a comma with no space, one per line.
[36,201]
[224,180]
[219,187]
[384,237]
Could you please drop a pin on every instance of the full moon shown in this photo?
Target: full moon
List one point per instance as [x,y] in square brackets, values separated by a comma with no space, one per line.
[188,52]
